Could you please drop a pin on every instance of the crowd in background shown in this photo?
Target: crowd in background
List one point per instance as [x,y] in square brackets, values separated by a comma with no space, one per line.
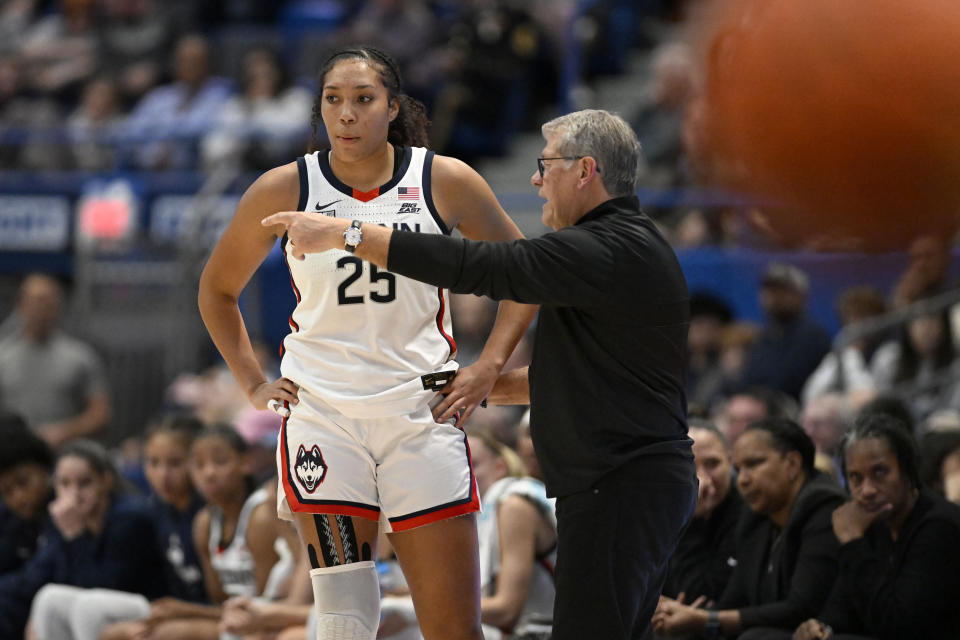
[785,379]
[96,85]
[140,84]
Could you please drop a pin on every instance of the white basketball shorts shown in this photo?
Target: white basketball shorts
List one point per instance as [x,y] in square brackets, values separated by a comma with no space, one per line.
[407,471]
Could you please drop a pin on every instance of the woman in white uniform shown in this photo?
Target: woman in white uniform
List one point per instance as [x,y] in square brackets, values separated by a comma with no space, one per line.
[367,353]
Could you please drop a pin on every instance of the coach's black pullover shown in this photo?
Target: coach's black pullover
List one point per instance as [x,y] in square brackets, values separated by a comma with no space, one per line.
[606,379]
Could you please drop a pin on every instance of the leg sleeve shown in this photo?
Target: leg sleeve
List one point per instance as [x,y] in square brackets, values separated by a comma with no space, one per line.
[347,600]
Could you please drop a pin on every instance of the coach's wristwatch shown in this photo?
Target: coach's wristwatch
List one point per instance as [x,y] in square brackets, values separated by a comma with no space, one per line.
[352,236]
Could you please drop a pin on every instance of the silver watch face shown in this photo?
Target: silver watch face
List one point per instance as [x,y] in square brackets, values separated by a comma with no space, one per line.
[352,236]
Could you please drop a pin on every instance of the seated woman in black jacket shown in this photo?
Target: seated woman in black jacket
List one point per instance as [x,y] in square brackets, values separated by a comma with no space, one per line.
[786,552]
[899,556]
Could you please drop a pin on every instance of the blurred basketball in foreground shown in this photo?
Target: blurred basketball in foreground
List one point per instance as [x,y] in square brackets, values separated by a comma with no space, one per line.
[845,113]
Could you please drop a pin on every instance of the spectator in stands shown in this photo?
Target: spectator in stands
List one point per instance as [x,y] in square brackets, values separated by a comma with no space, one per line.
[709,315]
[659,122]
[135,39]
[236,537]
[265,124]
[706,555]
[96,538]
[59,51]
[93,126]
[63,612]
[26,122]
[26,463]
[791,345]
[736,339]
[920,365]
[407,29]
[940,457]
[826,419]
[892,406]
[928,272]
[786,550]
[853,377]
[496,51]
[898,546]
[165,126]
[288,618]
[525,448]
[747,405]
[518,541]
[15,18]
[54,381]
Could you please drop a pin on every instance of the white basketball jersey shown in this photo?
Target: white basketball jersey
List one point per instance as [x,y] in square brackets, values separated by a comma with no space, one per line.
[361,337]
[234,563]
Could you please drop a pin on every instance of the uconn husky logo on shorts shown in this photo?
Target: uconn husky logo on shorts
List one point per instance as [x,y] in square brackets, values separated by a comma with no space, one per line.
[311,469]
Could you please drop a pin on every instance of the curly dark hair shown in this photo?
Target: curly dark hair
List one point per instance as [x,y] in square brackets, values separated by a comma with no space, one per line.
[409,128]
[897,436]
[20,444]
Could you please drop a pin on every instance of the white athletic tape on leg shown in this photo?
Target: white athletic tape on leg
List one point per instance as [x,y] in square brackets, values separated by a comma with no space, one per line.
[347,600]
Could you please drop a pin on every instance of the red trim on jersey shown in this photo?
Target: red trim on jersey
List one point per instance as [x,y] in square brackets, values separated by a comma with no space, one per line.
[443,306]
[340,509]
[293,323]
[366,196]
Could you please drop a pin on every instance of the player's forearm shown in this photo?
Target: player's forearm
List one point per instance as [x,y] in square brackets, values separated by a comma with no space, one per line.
[512,387]
[224,323]
[93,418]
[500,612]
[512,321]
[278,616]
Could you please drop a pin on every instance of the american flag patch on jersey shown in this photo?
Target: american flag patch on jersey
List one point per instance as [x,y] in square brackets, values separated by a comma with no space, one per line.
[408,193]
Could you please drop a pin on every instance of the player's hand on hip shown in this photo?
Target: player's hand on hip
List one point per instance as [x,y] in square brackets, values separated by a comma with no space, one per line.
[273,395]
[309,232]
[465,392]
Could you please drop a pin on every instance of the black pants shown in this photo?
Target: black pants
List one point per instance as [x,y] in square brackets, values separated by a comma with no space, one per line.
[763,633]
[614,543]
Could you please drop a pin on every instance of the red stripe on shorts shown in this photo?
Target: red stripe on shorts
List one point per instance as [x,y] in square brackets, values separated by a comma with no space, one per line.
[450,510]
[442,513]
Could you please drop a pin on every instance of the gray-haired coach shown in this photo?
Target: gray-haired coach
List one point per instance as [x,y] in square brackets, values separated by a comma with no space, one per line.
[608,412]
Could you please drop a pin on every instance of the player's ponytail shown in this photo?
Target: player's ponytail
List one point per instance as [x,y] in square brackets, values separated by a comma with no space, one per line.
[409,128]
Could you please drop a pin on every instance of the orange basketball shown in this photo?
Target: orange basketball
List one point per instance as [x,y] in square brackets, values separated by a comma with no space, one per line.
[844,115]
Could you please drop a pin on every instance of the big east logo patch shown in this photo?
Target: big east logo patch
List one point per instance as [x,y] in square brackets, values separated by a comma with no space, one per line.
[310,467]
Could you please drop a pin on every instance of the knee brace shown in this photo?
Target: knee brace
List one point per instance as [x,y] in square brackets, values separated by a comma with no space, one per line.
[347,599]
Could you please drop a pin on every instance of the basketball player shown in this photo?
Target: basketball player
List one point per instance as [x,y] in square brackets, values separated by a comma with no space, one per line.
[367,352]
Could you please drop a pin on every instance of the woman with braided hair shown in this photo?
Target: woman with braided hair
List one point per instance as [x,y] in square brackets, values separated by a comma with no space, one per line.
[366,435]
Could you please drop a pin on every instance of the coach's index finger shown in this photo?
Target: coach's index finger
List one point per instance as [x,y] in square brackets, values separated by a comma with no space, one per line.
[283,217]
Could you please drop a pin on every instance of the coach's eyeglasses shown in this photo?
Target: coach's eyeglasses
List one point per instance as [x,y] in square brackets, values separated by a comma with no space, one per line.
[540,162]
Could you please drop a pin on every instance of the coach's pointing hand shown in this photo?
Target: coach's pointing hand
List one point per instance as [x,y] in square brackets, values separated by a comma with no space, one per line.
[308,232]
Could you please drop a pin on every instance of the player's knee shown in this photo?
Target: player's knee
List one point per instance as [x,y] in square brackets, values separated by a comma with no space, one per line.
[347,599]
[50,609]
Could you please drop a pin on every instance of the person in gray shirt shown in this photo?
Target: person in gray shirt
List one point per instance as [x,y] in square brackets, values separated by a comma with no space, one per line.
[54,381]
